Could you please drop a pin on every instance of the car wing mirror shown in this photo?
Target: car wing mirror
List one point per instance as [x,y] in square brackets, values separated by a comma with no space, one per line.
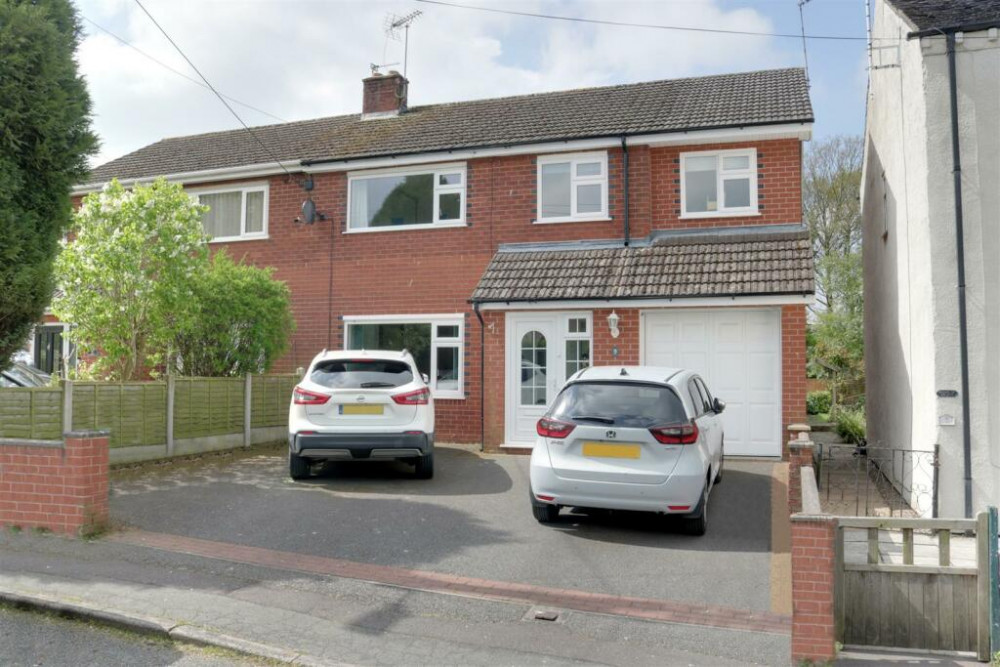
[426,379]
[719,405]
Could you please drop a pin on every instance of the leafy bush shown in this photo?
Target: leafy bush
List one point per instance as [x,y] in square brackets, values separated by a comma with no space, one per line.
[818,402]
[850,424]
[241,323]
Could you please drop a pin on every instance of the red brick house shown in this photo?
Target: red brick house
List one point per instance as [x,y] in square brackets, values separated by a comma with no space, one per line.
[508,242]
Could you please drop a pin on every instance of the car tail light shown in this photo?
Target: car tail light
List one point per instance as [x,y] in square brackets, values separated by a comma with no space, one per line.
[416,397]
[547,499]
[676,434]
[302,396]
[550,428]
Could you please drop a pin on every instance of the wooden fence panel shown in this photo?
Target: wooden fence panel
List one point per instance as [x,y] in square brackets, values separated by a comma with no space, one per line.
[33,413]
[134,412]
[207,406]
[270,396]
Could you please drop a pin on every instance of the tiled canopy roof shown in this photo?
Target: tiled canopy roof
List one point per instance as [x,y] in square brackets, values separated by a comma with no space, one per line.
[927,14]
[752,263]
[728,100]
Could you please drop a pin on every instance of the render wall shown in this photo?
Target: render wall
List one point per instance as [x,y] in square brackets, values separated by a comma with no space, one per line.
[911,294]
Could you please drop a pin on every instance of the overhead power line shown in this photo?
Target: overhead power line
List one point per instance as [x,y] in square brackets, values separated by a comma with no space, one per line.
[217,94]
[179,73]
[654,26]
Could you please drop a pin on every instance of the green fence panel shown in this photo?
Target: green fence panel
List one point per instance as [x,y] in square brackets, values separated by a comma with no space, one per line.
[134,412]
[32,413]
[207,406]
[270,396]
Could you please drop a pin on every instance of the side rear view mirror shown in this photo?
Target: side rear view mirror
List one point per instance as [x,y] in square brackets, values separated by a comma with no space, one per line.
[718,406]
[427,380]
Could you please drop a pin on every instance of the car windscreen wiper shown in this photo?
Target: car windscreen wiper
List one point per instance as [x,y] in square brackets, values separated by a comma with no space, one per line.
[592,418]
[376,385]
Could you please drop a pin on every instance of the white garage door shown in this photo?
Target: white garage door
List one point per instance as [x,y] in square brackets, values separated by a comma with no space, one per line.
[738,352]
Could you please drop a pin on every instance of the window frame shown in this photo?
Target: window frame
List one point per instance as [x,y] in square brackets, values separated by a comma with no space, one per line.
[436,170]
[568,335]
[720,177]
[436,342]
[574,159]
[244,188]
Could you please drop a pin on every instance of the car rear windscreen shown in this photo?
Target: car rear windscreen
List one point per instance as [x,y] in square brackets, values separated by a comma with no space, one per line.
[634,405]
[362,374]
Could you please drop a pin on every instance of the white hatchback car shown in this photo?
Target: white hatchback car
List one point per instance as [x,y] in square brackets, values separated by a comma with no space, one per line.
[629,438]
[361,405]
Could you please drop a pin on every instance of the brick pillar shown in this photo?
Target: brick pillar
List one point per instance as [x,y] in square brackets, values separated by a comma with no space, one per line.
[86,469]
[813,563]
[800,453]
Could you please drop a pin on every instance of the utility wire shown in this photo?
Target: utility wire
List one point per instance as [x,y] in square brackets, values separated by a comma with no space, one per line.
[212,88]
[624,24]
[177,72]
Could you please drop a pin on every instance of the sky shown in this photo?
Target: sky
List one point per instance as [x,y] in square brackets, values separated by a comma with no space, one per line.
[286,60]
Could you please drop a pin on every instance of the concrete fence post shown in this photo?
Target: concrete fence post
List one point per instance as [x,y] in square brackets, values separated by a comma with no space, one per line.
[247,388]
[171,384]
[67,416]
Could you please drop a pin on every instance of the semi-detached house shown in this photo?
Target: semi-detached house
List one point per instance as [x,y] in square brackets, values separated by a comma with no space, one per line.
[509,242]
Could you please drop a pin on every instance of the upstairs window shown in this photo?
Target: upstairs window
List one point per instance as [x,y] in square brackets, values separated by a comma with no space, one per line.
[406,198]
[573,188]
[719,183]
[235,213]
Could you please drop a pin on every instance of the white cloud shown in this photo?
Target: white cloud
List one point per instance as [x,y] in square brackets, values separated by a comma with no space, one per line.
[305,58]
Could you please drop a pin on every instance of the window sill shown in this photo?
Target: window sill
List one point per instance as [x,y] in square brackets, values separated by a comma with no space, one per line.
[237,239]
[405,228]
[559,221]
[720,214]
[449,396]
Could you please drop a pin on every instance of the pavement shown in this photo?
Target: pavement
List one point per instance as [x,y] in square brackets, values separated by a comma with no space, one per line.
[364,565]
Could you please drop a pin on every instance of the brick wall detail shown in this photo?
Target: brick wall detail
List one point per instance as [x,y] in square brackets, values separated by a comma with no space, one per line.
[813,563]
[59,488]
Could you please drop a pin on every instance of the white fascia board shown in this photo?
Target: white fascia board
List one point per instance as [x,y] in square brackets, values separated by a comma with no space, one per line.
[801,131]
[204,176]
[697,302]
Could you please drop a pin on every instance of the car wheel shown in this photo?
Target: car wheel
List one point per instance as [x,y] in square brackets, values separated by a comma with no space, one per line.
[543,512]
[423,468]
[298,467]
[697,524]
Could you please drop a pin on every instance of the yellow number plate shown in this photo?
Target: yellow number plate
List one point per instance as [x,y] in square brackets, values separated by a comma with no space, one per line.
[607,451]
[360,409]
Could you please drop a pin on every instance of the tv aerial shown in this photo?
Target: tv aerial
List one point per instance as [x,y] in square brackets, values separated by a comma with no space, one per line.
[393,24]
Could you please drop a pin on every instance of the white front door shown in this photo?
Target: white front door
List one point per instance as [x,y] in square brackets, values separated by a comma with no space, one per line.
[738,353]
[543,349]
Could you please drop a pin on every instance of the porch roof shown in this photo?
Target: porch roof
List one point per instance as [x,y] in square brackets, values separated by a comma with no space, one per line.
[767,260]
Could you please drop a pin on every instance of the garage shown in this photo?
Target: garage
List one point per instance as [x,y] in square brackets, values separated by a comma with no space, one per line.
[738,352]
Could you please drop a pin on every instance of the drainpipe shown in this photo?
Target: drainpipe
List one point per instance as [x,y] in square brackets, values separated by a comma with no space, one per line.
[963,325]
[482,377]
[625,170]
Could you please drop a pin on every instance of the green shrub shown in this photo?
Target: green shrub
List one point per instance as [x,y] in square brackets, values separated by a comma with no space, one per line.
[850,424]
[818,402]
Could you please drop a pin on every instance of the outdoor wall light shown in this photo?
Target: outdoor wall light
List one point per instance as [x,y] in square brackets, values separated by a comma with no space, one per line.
[613,324]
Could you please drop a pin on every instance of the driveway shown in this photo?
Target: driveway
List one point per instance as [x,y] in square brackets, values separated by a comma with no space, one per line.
[471,520]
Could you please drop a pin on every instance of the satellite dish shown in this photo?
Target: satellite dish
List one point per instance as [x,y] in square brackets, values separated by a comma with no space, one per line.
[308,211]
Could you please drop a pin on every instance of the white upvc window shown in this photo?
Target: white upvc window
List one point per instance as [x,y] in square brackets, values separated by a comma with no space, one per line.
[573,187]
[236,212]
[435,341]
[577,341]
[719,183]
[406,198]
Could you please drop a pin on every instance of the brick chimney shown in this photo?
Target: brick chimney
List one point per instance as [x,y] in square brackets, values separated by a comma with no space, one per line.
[385,95]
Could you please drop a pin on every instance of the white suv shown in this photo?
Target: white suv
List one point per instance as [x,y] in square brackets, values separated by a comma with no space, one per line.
[629,438]
[361,405]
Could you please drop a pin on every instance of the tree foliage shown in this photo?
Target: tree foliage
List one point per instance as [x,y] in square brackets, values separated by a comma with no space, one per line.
[45,139]
[831,207]
[241,322]
[130,273]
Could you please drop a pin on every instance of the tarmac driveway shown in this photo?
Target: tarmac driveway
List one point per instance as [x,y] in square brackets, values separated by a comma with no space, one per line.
[472,519]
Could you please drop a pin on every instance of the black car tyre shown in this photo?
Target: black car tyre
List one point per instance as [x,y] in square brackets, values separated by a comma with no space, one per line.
[697,524]
[298,467]
[543,512]
[423,468]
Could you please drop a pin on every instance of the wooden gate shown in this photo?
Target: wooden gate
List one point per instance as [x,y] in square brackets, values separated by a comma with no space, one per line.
[913,583]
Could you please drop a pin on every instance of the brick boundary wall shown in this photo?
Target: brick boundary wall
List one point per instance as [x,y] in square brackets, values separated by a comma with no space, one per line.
[814,563]
[60,486]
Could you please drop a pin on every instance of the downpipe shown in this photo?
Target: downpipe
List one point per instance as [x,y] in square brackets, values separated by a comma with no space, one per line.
[482,377]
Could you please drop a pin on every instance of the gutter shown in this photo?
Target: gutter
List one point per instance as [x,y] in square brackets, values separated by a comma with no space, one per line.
[963,324]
